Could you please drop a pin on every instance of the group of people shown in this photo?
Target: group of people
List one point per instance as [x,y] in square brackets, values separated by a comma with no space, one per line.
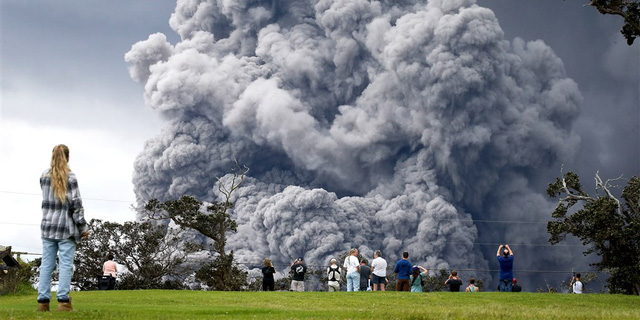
[63,226]
[363,277]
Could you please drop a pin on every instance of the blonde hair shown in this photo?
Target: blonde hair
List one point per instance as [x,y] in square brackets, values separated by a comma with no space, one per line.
[60,171]
[267,262]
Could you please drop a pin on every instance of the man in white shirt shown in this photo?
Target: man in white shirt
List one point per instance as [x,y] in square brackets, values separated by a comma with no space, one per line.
[352,265]
[576,284]
[378,271]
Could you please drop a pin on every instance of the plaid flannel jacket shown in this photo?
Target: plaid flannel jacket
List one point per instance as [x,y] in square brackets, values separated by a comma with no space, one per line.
[62,220]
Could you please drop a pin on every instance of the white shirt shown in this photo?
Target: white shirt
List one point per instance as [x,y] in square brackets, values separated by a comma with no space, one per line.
[379,267]
[351,263]
[577,287]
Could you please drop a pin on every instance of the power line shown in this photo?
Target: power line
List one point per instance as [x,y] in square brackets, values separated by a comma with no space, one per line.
[83,198]
[439,219]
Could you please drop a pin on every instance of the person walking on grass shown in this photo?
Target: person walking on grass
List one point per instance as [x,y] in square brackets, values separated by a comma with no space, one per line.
[63,226]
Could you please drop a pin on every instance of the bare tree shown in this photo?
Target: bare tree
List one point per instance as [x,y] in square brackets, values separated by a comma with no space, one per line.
[214,222]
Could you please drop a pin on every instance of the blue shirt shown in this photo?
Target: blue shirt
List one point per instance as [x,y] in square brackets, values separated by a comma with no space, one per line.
[403,269]
[506,267]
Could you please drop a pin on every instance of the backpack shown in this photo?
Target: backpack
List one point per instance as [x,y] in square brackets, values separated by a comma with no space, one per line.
[414,280]
[333,273]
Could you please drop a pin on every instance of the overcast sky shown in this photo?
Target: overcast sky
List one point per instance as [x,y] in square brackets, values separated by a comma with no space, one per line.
[64,80]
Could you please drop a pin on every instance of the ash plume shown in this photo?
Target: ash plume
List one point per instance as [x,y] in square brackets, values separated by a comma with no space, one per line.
[372,124]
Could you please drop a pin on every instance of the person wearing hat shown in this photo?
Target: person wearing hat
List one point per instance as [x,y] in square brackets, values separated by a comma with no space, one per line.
[516,287]
[333,276]
[505,259]
[415,279]
[299,268]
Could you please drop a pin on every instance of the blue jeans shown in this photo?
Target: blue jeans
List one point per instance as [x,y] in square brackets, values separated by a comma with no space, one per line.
[50,248]
[353,281]
[506,285]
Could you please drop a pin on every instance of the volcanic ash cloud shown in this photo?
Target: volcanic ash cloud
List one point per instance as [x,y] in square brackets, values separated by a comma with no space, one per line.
[370,124]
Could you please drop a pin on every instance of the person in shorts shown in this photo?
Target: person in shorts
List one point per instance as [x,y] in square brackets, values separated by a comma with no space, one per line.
[298,268]
[378,272]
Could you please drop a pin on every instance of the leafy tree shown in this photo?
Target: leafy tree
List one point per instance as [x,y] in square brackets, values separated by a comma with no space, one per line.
[152,254]
[213,221]
[436,283]
[610,228]
[629,10]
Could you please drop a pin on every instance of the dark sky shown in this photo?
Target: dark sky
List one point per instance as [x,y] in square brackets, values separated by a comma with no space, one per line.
[66,58]
[606,69]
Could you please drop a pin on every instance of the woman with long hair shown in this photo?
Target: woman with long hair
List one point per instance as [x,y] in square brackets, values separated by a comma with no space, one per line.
[62,226]
[415,279]
[268,282]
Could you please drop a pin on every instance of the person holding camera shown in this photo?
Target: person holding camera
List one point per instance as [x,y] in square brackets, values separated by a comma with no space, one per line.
[417,273]
[453,282]
[299,268]
[576,284]
[505,259]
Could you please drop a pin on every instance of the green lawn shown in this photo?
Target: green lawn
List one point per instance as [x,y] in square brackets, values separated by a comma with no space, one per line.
[158,304]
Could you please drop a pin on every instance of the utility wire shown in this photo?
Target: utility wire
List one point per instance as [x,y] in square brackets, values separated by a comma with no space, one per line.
[440,219]
[83,198]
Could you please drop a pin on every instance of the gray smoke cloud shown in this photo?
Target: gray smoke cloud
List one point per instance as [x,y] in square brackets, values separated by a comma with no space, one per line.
[372,124]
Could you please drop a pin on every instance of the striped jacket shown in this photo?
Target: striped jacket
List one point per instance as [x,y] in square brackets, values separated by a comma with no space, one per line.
[62,220]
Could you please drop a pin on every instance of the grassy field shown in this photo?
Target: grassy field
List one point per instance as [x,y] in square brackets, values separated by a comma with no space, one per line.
[158,304]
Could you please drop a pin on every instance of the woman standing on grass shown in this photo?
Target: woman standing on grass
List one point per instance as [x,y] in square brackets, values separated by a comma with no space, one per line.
[62,226]
[268,283]
[415,279]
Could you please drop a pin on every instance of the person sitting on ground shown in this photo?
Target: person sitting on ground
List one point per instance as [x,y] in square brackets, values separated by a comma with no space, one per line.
[516,287]
[333,276]
[576,284]
[415,279]
[453,282]
[472,286]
